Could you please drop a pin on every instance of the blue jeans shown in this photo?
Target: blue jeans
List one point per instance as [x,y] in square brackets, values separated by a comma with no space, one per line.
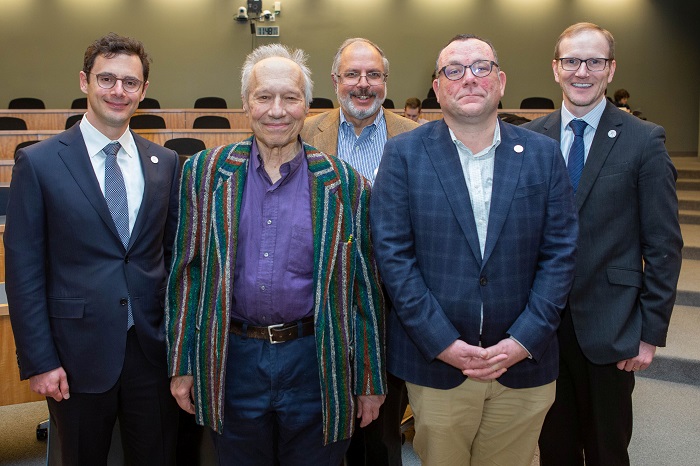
[272,412]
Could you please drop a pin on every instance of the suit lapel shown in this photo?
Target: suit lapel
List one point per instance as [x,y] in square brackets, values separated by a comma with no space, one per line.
[150,171]
[506,173]
[445,159]
[327,138]
[610,124]
[77,160]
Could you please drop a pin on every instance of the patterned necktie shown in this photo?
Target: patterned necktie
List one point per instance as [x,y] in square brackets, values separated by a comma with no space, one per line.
[115,195]
[577,151]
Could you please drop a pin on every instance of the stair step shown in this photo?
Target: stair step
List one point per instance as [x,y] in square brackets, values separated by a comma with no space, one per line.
[689,217]
[688,173]
[688,293]
[688,184]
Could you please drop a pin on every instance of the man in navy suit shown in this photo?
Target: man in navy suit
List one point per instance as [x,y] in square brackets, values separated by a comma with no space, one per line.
[474,229]
[629,256]
[90,224]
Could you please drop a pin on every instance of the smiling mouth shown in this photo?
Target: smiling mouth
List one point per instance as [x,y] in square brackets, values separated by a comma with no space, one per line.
[582,85]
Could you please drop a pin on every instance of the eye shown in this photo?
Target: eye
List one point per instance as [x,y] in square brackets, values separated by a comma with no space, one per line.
[131,82]
[351,74]
[593,61]
[105,78]
[452,71]
[374,75]
[571,61]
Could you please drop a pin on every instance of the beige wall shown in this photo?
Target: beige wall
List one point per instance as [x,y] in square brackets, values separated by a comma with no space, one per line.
[198,48]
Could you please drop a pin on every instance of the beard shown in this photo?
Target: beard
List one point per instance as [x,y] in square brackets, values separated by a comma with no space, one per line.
[360,114]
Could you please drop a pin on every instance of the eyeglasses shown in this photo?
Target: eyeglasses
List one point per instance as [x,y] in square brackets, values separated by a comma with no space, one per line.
[593,64]
[353,78]
[480,69]
[107,81]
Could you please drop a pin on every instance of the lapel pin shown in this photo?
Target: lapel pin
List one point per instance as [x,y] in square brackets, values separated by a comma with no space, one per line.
[154,159]
[612,133]
[518,148]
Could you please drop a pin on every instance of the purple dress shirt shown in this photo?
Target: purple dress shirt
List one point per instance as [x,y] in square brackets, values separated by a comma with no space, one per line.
[273,275]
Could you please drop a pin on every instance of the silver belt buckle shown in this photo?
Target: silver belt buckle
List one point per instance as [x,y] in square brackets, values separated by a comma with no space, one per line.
[269,332]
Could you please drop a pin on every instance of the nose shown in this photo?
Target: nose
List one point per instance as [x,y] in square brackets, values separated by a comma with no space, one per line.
[118,87]
[582,70]
[276,108]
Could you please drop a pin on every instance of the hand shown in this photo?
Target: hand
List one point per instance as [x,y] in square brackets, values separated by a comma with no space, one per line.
[52,383]
[368,408]
[641,361]
[464,356]
[182,389]
[499,358]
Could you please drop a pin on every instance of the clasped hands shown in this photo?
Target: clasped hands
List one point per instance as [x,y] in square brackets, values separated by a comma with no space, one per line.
[483,363]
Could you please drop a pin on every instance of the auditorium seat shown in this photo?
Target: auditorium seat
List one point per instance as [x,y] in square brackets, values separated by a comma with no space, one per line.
[27,103]
[210,102]
[79,103]
[73,119]
[12,124]
[147,122]
[148,102]
[211,122]
[24,144]
[321,102]
[388,103]
[430,102]
[537,102]
[185,146]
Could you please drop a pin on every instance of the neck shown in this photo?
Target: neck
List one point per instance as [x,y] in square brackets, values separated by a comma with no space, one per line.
[476,137]
[274,157]
[359,125]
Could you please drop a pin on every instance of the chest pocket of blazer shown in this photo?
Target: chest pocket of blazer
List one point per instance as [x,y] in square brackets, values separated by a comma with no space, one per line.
[615,169]
[626,277]
[531,190]
[66,308]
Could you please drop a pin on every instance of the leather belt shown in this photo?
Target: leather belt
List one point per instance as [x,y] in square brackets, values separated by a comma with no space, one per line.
[278,333]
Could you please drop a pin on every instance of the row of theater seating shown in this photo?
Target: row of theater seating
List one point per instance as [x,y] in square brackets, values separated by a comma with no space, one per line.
[141,121]
[219,102]
[183,146]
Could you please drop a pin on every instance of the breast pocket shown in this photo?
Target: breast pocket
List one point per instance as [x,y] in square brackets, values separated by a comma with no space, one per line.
[530,190]
[66,308]
[300,259]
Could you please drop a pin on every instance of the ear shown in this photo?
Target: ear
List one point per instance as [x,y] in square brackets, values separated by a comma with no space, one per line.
[83,82]
[436,87]
[502,80]
[555,69]
[143,91]
[613,67]
[335,83]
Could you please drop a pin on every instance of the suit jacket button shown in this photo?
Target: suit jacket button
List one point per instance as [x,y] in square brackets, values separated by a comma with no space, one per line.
[483,281]
[126,259]
[123,302]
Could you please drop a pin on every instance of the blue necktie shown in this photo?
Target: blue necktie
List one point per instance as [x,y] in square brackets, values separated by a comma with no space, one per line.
[115,195]
[577,151]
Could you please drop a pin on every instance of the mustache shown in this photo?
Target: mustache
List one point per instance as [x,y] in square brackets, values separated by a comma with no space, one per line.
[362,93]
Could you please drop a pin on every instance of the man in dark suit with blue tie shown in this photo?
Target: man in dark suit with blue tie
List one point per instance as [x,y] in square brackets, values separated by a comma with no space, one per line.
[629,255]
[474,230]
[90,225]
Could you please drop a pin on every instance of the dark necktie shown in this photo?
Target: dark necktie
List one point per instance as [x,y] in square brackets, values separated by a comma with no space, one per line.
[577,151]
[115,195]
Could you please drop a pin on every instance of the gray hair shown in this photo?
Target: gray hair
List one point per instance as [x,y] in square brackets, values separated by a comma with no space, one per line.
[298,56]
[336,60]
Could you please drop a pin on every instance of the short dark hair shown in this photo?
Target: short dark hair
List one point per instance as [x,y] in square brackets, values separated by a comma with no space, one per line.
[111,45]
[463,37]
[621,94]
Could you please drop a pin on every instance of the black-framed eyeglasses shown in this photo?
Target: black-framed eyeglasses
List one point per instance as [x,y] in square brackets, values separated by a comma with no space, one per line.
[108,80]
[353,78]
[593,64]
[480,69]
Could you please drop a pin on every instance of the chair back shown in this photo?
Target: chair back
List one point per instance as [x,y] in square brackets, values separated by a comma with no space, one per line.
[185,146]
[148,102]
[79,103]
[73,119]
[24,144]
[388,103]
[537,102]
[210,102]
[27,103]
[211,122]
[430,102]
[12,124]
[321,102]
[147,122]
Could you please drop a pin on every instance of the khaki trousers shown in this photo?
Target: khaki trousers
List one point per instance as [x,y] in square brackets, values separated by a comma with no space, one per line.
[478,423]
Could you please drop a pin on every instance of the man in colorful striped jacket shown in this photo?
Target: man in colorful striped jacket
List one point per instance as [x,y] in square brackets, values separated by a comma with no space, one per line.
[275,317]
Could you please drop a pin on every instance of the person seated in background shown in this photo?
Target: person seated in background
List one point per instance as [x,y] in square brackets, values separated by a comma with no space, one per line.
[621,97]
[412,110]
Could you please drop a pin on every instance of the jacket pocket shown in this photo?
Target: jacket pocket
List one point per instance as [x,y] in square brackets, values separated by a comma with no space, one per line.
[66,308]
[525,191]
[626,277]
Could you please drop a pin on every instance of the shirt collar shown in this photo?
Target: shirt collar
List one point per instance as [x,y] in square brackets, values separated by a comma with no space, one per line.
[592,117]
[95,141]
[285,169]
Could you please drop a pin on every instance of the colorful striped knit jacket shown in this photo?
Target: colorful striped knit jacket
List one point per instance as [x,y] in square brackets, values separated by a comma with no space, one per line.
[348,304]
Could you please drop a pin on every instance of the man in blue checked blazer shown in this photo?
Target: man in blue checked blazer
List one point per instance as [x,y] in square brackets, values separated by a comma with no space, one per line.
[475,231]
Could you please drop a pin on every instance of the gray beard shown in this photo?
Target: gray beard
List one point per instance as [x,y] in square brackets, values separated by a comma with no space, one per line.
[359,114]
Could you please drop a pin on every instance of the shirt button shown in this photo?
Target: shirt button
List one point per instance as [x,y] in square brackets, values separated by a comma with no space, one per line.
[269,222]
[265,254]
[262,287]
